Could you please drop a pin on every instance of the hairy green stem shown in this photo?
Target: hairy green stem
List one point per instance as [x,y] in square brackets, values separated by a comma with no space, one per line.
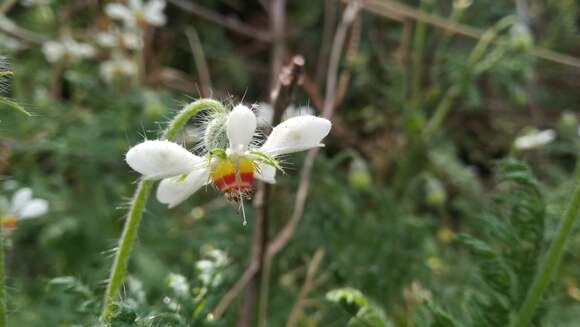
[119,269]
[2,281]
[551,261]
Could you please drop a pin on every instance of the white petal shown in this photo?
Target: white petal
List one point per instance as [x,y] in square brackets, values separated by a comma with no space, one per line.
[136,5]
[119,11]
[34,208]
[160,159]
[153,12]
[296,134]
[173,191]
[266,173]
[535,139]
[53,51]
[241,126]
[19,200]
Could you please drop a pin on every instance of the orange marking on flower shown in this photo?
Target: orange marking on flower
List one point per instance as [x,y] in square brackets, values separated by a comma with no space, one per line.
[234,177]
[8,223]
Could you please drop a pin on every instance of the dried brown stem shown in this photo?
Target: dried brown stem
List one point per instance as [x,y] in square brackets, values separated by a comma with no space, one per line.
[287,231]
[227,22]
[6,6]
[306,287]
[277,21]
[200,62]
[9,27]
[281,98]
[330,10]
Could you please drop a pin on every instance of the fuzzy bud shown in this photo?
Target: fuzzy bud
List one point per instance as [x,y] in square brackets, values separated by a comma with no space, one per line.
[215,132]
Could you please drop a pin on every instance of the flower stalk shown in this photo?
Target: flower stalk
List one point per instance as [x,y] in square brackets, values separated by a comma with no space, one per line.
[551,262]
[2,281]
[137,207]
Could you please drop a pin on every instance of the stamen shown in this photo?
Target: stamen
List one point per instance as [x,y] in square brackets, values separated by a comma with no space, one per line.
[245,222]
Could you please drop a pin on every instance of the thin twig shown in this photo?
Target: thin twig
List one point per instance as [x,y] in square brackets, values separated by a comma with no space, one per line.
[277,21]
[306,287]
[330,11]
[388,8]
[227,22]
[9,27]
[6,6]
[289,78]
[287,231]
[200,62]
[280,99]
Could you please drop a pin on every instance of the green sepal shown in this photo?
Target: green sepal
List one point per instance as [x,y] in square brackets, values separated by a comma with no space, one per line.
[266,159]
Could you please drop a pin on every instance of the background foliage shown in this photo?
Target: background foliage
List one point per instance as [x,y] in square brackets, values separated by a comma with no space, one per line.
[387,199]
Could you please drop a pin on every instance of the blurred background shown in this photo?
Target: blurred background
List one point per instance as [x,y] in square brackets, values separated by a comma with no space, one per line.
[454,140]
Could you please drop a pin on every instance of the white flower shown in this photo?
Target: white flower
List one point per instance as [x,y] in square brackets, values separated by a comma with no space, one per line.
[179,284]
[68,49]
[117,68]
[534,139]
[22,206]
[210,269]
[231,168]
[127,38]
[138,13]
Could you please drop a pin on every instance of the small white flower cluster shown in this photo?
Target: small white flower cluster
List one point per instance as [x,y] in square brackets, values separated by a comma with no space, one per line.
[22,206]
[116,68]
[138,13]
[67,49]
[116,38]
[178,283]
[534,139]
[211,267]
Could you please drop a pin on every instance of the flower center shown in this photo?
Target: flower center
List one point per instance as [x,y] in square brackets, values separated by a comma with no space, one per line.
[234,177]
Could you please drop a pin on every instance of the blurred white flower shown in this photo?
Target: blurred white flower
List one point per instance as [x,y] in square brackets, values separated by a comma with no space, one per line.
[118,68]
[265,113]
[210,268]
[534,139]
[138,13]
[67,49]
[127,38]
[22,206]
[178,283]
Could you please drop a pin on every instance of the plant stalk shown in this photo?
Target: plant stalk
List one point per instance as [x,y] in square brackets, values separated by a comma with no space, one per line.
[138,203]
[551,262]
[2,281]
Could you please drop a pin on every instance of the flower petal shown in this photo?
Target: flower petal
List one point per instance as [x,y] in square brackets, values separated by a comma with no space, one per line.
[161,159]
[241,126]
[173,191]
[266,173]
[19,200]
[153,12]
[296,134]
[34,208]
[119,11]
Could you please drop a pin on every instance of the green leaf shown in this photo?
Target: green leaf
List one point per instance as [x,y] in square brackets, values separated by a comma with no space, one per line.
[14,105]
